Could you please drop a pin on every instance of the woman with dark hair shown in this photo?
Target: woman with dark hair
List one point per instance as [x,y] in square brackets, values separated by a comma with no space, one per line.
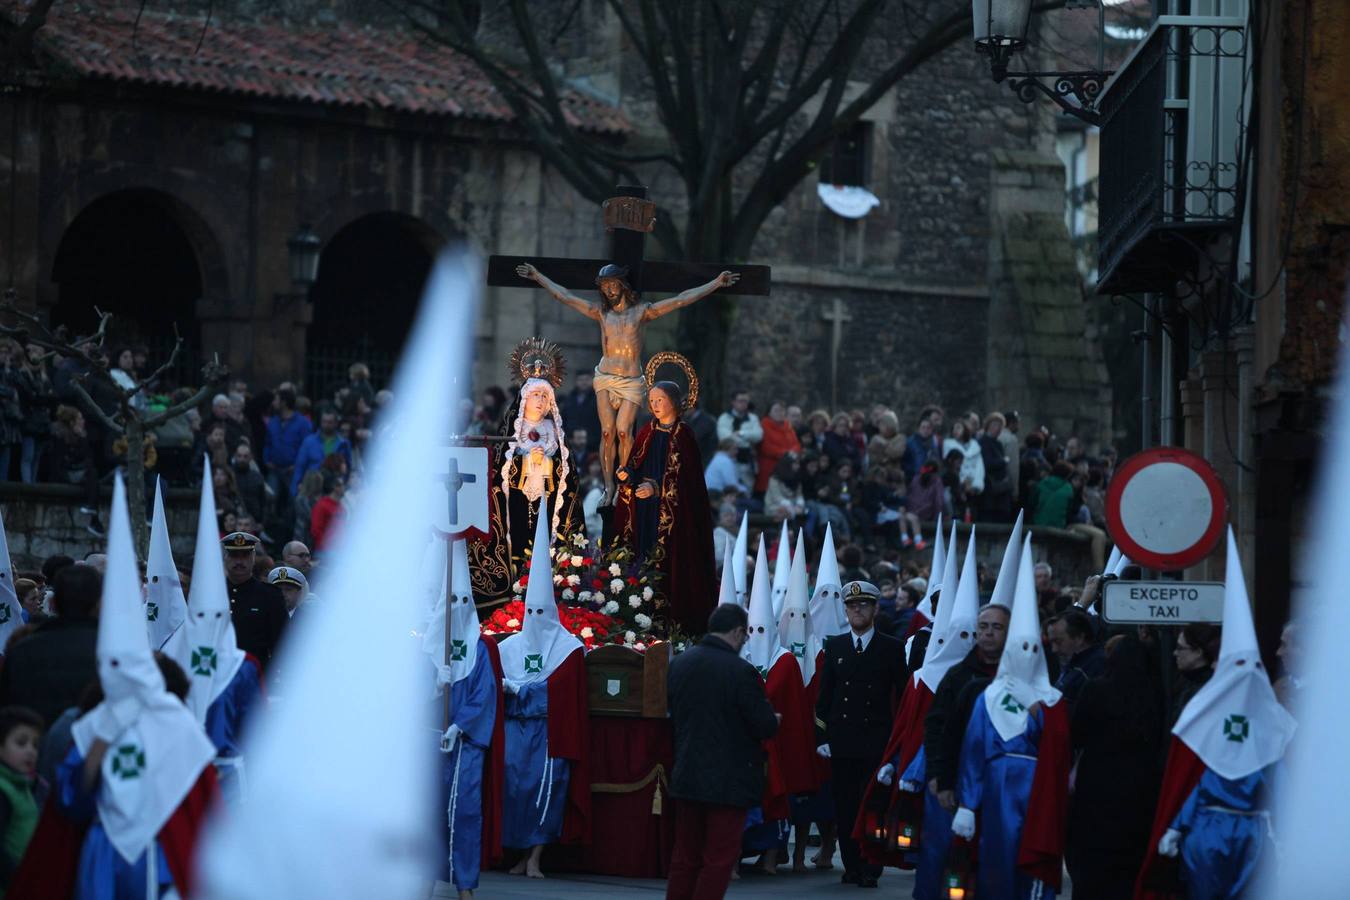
[1117,734]
[783,498]
[1196,651]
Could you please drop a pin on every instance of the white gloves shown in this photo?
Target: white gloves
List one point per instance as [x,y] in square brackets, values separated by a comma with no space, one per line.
[963,823]
[911,787]
[1170,843]
[451,736]
[115,717]
[443,676]
[823,751]
[886,774]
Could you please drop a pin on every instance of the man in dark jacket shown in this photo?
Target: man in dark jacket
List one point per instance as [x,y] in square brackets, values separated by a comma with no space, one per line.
[721,719]
[860,685]
[945,726]
[1073,638]
[256,607]
[49,669]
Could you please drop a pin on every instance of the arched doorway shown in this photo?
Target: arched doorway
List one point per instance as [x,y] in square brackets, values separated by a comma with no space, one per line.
[129,254]
[370,281]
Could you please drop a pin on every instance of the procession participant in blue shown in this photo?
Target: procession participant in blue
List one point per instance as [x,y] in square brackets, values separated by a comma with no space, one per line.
[472,742]
[1213,812]
[1014,765]
[139,774]
[226,682]
[547,795]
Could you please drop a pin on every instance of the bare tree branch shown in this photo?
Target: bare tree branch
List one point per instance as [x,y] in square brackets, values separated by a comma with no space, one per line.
[77,385]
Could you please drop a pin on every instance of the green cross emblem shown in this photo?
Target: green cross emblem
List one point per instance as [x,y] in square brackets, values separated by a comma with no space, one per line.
[458,650]
[798,649]
[1010,704]
[151,612]
[534,662]
[5,613]
[1237,728]
[763,671]
[204,661]
[128,762]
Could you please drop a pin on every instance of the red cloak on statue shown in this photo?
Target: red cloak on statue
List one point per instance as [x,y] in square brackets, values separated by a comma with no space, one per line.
[683,523]
[568,738]
[906,739]
[1041,852]
[791,751]
[1159,875]
[494,766]
[50,867]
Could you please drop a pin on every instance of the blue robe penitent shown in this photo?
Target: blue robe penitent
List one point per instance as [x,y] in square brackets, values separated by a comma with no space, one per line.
[935,841]
[536,784]
[103,873]
[995,779]
[1224,828]
[225,720]
[473,707]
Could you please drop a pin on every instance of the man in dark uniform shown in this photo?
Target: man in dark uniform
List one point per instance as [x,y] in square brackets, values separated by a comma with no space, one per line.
[257,608]
[860,687]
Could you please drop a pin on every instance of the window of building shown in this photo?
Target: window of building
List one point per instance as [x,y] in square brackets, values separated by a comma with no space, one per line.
[849,159]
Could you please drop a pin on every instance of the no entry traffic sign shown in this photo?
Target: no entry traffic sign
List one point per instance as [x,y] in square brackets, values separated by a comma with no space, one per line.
[1166,508]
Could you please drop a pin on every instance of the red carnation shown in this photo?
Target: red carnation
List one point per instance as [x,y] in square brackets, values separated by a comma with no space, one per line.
[632,581]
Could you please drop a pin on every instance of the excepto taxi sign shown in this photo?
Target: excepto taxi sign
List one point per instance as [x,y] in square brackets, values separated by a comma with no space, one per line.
[1162,602]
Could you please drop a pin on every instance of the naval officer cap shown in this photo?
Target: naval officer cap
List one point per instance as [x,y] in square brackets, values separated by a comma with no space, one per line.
[860,592]
[239,542]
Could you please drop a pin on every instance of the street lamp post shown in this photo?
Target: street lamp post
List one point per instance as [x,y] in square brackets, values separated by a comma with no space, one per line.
[1000,31]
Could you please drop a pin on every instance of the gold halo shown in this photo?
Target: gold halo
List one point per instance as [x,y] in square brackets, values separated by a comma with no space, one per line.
[670,356]
[538,358]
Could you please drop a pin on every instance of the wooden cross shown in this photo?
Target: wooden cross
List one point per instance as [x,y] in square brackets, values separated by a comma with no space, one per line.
[836,315]
[454,481]
[628,221]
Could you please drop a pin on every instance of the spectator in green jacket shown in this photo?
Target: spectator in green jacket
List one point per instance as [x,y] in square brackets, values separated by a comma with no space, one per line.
[1051,499]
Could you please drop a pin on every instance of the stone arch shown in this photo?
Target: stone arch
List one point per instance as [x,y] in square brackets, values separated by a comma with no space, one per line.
[371,274]
[143,255]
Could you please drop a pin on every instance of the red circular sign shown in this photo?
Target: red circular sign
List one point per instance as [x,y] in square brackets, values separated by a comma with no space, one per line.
[1166,508]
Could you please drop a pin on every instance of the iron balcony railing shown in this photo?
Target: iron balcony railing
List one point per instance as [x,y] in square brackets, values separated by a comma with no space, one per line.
[1173,122]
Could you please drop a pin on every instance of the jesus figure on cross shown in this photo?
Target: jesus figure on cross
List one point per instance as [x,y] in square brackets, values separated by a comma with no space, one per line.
[620,388]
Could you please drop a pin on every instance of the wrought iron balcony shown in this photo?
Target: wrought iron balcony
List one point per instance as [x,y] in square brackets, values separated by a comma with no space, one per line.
[1172,123]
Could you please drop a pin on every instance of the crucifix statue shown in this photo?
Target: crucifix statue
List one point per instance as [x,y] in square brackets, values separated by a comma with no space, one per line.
[837,315]
[620,387]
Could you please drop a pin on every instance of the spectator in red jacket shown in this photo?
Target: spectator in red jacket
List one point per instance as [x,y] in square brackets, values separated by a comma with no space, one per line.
[327,516]
[779,438]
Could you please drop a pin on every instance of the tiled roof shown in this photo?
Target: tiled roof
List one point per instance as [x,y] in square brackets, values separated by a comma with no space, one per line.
[342,64]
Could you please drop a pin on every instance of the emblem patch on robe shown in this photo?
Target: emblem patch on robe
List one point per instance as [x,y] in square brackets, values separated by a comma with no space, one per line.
[151,612]
[458,650]
[128,762]
[1236,728]
[1010,704]
[5,613]
[798,649]
[534,662]
[204,661]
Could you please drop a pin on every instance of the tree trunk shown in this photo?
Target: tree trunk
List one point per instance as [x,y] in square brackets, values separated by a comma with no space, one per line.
[135,479]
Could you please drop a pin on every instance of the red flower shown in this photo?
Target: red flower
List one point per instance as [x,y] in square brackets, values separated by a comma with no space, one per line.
[524,580]
[632,581]
[598,584]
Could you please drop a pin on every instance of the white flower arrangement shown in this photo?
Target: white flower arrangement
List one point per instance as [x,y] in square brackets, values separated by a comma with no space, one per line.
[512,623]
[610,608]
[576,561]
[634,601]
[573,580]
[639,646]
[568,594]
[579,540]
[616,585]
[629,637]
[615,570]
[642,621]
[647,593]
[584,596]
[588,632]
[558,579]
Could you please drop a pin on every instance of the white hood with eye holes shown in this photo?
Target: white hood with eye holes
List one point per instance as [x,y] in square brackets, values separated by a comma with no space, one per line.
[1022,679]
[827,602]
[762,648]
[543,643]
[213,654]
[794,622]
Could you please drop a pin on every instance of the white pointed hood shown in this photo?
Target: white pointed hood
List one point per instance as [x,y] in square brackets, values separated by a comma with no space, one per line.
[325,817]
[925,606]
[542,643]
[762,648]
[1234,723]
[954,630]
[794,624]
[213,654]
[1121,563]
[1110,560]
[1006,584]
[153,762]
[738,564]
[1022,679]
[827,604]
[948,579]
[781,567]
[464,627]
[10,610]
[165,608]
[726,591]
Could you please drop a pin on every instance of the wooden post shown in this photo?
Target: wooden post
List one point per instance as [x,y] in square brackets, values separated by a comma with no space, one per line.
[449,603]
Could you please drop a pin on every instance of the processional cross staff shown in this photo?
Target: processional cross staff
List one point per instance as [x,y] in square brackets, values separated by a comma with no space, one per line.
[620,387]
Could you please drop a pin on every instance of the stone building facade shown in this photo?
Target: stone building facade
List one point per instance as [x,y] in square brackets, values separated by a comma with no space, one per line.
[390,148]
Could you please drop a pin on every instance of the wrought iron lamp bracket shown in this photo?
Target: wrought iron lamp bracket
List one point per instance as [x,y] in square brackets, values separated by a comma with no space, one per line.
[1084,87]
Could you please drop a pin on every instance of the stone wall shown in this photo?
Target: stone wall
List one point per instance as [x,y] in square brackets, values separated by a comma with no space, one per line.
[43,520]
